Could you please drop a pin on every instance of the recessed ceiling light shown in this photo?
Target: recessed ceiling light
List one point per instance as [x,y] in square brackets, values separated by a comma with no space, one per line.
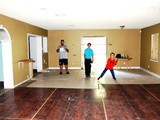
[70,25]
[44,9]
[60,15]
[151,8]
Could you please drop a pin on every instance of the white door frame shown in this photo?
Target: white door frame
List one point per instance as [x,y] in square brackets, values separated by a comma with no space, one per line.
[82,58]
[39,47]
[7,59]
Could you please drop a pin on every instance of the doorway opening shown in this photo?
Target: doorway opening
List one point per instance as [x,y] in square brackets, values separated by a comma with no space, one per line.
[35,52]
[1,68]
[6,61]
[100,49]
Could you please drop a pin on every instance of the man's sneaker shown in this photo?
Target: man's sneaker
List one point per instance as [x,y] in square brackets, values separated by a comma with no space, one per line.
[67,72]
[114,78]
[98,78]
[60,73]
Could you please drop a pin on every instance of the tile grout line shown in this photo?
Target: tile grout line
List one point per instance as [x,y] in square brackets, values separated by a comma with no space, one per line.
[15,118]
[104,109]
[131,106]
[105,112]
[67,110]
[150,92]
[43,104]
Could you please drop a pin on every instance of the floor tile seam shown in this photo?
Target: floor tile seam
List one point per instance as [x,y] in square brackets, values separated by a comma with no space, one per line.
[128,101]
[105,112]
[15,118]
[104,108]
[67,110]
[43,104]
[150,93]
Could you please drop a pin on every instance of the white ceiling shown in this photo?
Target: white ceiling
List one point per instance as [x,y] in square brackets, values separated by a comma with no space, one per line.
[83,14]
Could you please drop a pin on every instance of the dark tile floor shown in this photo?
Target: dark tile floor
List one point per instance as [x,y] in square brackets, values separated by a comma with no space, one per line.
[110,102]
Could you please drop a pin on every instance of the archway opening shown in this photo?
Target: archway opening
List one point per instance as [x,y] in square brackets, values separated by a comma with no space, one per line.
[6,71]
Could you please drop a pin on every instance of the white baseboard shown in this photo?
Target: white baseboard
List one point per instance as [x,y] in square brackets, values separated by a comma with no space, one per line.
[77,68]
[127,67]
[21,83]
[71,68]
[152,73]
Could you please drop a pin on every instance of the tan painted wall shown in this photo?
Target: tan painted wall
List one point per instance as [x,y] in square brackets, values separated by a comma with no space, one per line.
[146,49]
[123,41]
[18,31]
[45,57]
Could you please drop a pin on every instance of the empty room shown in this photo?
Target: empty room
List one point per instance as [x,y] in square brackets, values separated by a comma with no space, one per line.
[79,60]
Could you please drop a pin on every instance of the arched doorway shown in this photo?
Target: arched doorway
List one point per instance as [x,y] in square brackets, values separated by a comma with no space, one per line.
[6,58]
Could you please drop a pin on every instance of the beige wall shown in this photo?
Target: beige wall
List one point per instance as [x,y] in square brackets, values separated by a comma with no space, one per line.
[45,58]
[146,49]
[123,41]
[18,32]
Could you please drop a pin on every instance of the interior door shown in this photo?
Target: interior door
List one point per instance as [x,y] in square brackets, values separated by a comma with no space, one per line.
[35,52]
[45,53]
[39,54]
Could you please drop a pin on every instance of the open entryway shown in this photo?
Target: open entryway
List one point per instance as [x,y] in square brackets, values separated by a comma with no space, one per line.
[1,68]
[35,52]
[99,47]
[6,61]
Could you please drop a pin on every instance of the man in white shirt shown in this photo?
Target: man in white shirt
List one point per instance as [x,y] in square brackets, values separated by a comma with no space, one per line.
[63,59]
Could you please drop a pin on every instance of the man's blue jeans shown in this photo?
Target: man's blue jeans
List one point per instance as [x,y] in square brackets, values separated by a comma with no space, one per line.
[105,70]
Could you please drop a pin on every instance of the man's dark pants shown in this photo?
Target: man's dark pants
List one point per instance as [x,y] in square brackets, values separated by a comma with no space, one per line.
[87,67]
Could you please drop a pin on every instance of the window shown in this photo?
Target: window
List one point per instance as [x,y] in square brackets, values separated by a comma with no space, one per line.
[154,47]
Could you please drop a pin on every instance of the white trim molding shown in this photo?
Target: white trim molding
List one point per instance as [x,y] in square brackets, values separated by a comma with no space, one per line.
[7,59]
[152,60]
[71,68]
[78,68]
[118,68]
[21,83]
[152,73]
[5,30]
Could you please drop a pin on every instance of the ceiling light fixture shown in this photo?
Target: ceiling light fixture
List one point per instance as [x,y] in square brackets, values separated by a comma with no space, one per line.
[122,26]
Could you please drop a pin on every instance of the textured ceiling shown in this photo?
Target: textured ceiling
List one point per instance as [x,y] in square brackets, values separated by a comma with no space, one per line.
[83,14]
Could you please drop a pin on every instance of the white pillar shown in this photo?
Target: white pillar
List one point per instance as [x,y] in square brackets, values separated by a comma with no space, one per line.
[7,64]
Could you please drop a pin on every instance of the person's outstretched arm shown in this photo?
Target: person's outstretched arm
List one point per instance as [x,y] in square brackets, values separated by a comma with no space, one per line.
[57,49]
[116,60]
[84,54]
[92,58]
[66,48]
